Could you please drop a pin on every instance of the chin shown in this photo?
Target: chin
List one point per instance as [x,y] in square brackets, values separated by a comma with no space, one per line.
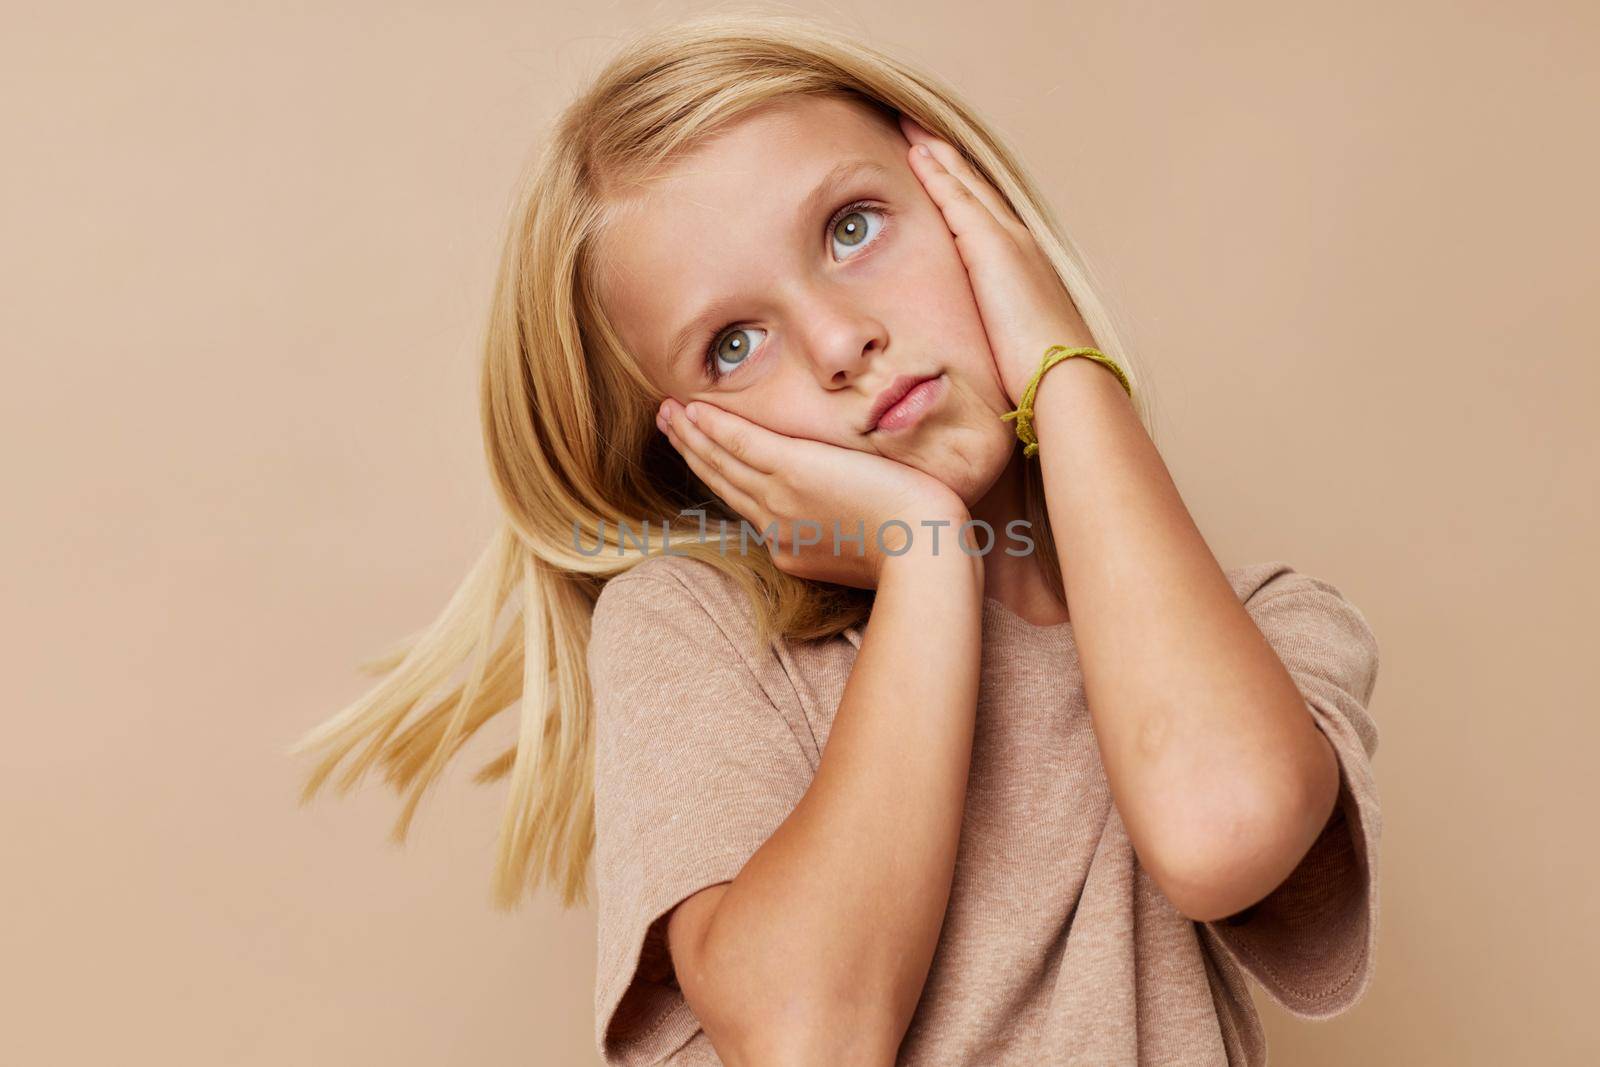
[971,464]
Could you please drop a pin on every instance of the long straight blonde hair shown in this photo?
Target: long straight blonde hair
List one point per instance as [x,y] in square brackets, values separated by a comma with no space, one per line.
[569,431]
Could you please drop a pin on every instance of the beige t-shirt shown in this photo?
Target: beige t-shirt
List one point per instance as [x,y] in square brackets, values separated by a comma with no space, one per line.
[1057,948]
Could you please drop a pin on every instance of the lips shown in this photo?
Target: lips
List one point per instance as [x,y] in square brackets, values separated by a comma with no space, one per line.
[892,395]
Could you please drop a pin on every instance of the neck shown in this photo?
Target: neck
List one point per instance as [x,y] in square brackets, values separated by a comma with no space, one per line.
[1018,582]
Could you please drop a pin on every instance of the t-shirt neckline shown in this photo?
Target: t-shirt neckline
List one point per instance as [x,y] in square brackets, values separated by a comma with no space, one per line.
[997,611]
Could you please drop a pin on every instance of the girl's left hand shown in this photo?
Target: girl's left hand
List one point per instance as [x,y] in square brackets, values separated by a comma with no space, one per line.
[1024,306]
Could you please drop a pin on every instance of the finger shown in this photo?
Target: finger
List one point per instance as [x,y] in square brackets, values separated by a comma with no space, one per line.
[711,477]
[755,446]
[967,216]
[739,475]
[957,164]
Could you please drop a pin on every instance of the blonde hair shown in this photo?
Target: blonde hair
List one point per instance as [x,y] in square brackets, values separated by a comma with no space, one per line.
[569,430]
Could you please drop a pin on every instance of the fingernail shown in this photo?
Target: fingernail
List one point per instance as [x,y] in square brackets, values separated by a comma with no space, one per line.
[692,411]
[922,150]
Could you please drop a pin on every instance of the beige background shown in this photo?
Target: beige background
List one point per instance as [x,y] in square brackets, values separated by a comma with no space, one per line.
[245,263]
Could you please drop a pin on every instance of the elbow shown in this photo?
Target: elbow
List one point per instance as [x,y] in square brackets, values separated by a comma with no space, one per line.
[819,1042]
[776,1016]
[811,1031]
[1210,888]
[1245,847]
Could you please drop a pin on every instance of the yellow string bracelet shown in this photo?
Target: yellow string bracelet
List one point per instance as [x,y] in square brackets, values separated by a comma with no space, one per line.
[1053,355]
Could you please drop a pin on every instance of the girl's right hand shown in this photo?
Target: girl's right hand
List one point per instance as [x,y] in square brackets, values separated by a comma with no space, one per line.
[804,487]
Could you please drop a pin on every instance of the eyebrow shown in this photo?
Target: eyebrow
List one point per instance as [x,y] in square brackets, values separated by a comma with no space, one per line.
[842,172]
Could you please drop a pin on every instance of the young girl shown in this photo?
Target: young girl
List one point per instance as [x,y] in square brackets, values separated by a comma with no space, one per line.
[880,799]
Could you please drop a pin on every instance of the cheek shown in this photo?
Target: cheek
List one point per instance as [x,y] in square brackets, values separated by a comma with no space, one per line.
[933,292]
[929,276]
[776,409]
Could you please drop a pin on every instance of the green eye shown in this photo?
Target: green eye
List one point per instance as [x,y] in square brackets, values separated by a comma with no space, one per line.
[733,348]
[856,225]
[852,229]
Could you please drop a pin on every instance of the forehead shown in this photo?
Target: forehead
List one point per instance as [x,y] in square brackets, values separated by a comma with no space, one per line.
[720,221]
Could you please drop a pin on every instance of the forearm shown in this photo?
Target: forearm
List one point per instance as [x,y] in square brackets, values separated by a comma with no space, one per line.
[1220,774]
[831,926]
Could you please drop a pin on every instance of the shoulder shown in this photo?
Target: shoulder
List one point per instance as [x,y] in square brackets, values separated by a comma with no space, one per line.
[673,579]
[682,594]
[1256,583]
[1310,622]
[1284,587]
[673,660]
[1278,589]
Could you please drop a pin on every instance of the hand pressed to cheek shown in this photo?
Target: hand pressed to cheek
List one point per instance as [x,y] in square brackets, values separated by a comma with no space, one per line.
[736,474]
[798,487]
[1023,304]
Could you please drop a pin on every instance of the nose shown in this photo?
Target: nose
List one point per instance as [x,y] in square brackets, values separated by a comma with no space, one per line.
[841,342]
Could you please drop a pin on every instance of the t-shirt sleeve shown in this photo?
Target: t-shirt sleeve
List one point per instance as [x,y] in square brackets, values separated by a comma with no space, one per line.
[1310,943]
[695,767]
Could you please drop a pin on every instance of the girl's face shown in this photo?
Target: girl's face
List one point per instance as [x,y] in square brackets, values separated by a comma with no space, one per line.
[790,269]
